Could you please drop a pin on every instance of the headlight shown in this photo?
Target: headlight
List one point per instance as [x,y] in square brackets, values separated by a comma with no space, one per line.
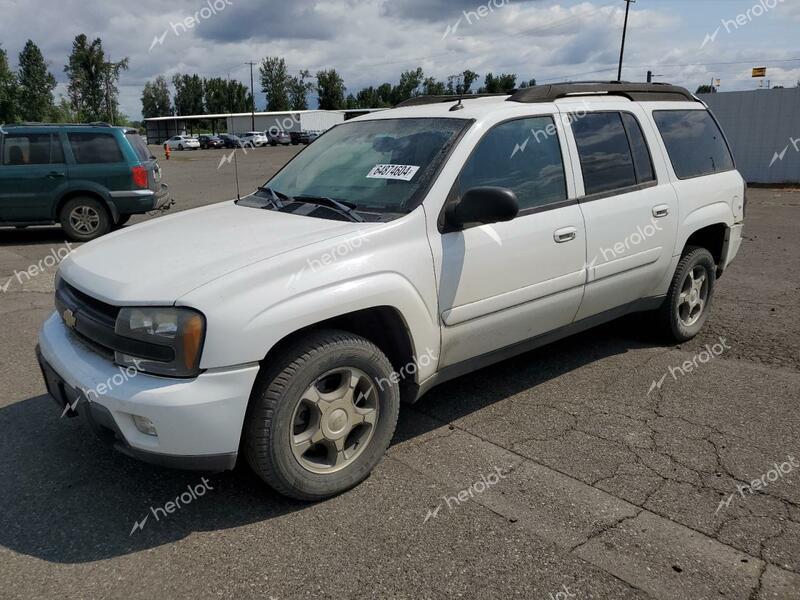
[181,330]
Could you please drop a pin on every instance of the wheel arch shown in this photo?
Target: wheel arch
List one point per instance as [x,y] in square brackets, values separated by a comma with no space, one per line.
[113,213]
[383,325]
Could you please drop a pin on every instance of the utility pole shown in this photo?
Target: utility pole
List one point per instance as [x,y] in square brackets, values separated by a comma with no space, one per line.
[252,98]
[624,34]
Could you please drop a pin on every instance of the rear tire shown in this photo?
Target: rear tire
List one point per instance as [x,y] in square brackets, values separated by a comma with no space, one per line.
[688,302]
[84,219]
[321,415]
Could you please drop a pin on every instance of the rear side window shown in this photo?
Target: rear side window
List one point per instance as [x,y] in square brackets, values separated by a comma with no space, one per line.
[94,148]
[532,169]
[26,149]
[606,159]
[139,147]
[694,142]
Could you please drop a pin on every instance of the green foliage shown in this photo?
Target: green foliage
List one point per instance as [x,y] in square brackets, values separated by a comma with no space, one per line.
[36,85]
[92,90]
[8,91]
[188,94]
[156,101]
[706,89]
[299,88]
[502,84]
[275,82]
[330,89]
[431,87]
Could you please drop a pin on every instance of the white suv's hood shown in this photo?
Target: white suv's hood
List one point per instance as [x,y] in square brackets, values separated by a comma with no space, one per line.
[161,260]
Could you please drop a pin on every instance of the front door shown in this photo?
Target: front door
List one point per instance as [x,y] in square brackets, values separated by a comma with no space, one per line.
[503,283]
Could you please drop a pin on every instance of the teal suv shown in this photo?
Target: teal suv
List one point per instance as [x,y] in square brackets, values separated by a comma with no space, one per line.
[88,178]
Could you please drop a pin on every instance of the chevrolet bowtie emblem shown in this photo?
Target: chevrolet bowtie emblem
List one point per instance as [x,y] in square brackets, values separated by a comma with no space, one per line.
[69,319]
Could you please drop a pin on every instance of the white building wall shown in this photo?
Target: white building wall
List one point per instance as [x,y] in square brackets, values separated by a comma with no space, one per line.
[318,120]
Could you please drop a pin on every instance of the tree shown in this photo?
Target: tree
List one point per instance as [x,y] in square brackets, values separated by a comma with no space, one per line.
[351,102]
[461,84]
[330,89]
[409,86]
[299,89]
[241,98]
[527,84]
[275,82]
[92,88]
[155,99]
[188,94]
[63,113]
[706,89]
[503,83]
[217,95]
[36,84]
[431,87]
[8,91]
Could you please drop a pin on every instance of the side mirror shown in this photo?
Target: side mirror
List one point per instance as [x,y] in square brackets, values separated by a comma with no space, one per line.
[482,205]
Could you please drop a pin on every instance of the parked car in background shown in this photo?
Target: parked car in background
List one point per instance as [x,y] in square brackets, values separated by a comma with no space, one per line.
[279,137]
[307,137]
[88,178]
[255,139]
[230,140]
[183,142]
[465,243]
[210,141]
[294,136]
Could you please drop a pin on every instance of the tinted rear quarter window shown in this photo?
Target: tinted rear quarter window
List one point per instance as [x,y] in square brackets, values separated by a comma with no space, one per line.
[694,142]
[534,171]
[94,148]
[641,153]
[139,147]
[605,154]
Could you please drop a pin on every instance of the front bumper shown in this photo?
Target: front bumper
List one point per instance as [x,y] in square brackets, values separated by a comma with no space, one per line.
[199,421]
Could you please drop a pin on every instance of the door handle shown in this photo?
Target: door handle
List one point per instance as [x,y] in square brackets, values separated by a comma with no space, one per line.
[55,174]
[662,210]
[565,234]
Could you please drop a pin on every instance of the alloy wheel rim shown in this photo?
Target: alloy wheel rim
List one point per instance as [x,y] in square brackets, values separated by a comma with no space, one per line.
[334,421]
[694,296]
[84,219]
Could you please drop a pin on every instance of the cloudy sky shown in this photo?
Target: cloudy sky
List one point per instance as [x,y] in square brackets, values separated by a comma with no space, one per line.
[372,41]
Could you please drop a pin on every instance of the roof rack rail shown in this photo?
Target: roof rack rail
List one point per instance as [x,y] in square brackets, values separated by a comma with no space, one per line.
[652,92]
[420,100]
[36,124]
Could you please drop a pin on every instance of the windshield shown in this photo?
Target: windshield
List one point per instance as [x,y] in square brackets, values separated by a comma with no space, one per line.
[377,165]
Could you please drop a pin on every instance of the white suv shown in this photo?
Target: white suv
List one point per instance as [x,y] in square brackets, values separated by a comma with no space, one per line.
[255,139]
[401,249]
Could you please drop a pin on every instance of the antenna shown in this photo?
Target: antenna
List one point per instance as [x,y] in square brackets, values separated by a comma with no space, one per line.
[459,105]
[236,171]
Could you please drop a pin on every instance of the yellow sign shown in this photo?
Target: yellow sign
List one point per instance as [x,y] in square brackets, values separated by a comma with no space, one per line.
[760,72]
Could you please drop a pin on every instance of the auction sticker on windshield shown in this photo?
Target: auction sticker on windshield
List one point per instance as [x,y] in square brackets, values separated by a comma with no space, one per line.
[401,172]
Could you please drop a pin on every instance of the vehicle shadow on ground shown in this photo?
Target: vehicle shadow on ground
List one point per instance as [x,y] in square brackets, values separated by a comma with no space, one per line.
[10,236]
[67,498]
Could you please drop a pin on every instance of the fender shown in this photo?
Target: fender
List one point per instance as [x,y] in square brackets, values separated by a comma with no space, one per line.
[711,214]
[82,185]
[382,266]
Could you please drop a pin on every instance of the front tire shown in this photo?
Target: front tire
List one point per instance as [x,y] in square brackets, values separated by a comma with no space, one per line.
[84,219]
[688,302]
[321,415]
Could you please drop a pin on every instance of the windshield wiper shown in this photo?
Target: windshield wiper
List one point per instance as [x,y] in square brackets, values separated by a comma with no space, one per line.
[345,208]
[275,201]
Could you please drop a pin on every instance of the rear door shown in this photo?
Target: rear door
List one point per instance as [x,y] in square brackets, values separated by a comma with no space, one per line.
[32,171]
[628,202]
